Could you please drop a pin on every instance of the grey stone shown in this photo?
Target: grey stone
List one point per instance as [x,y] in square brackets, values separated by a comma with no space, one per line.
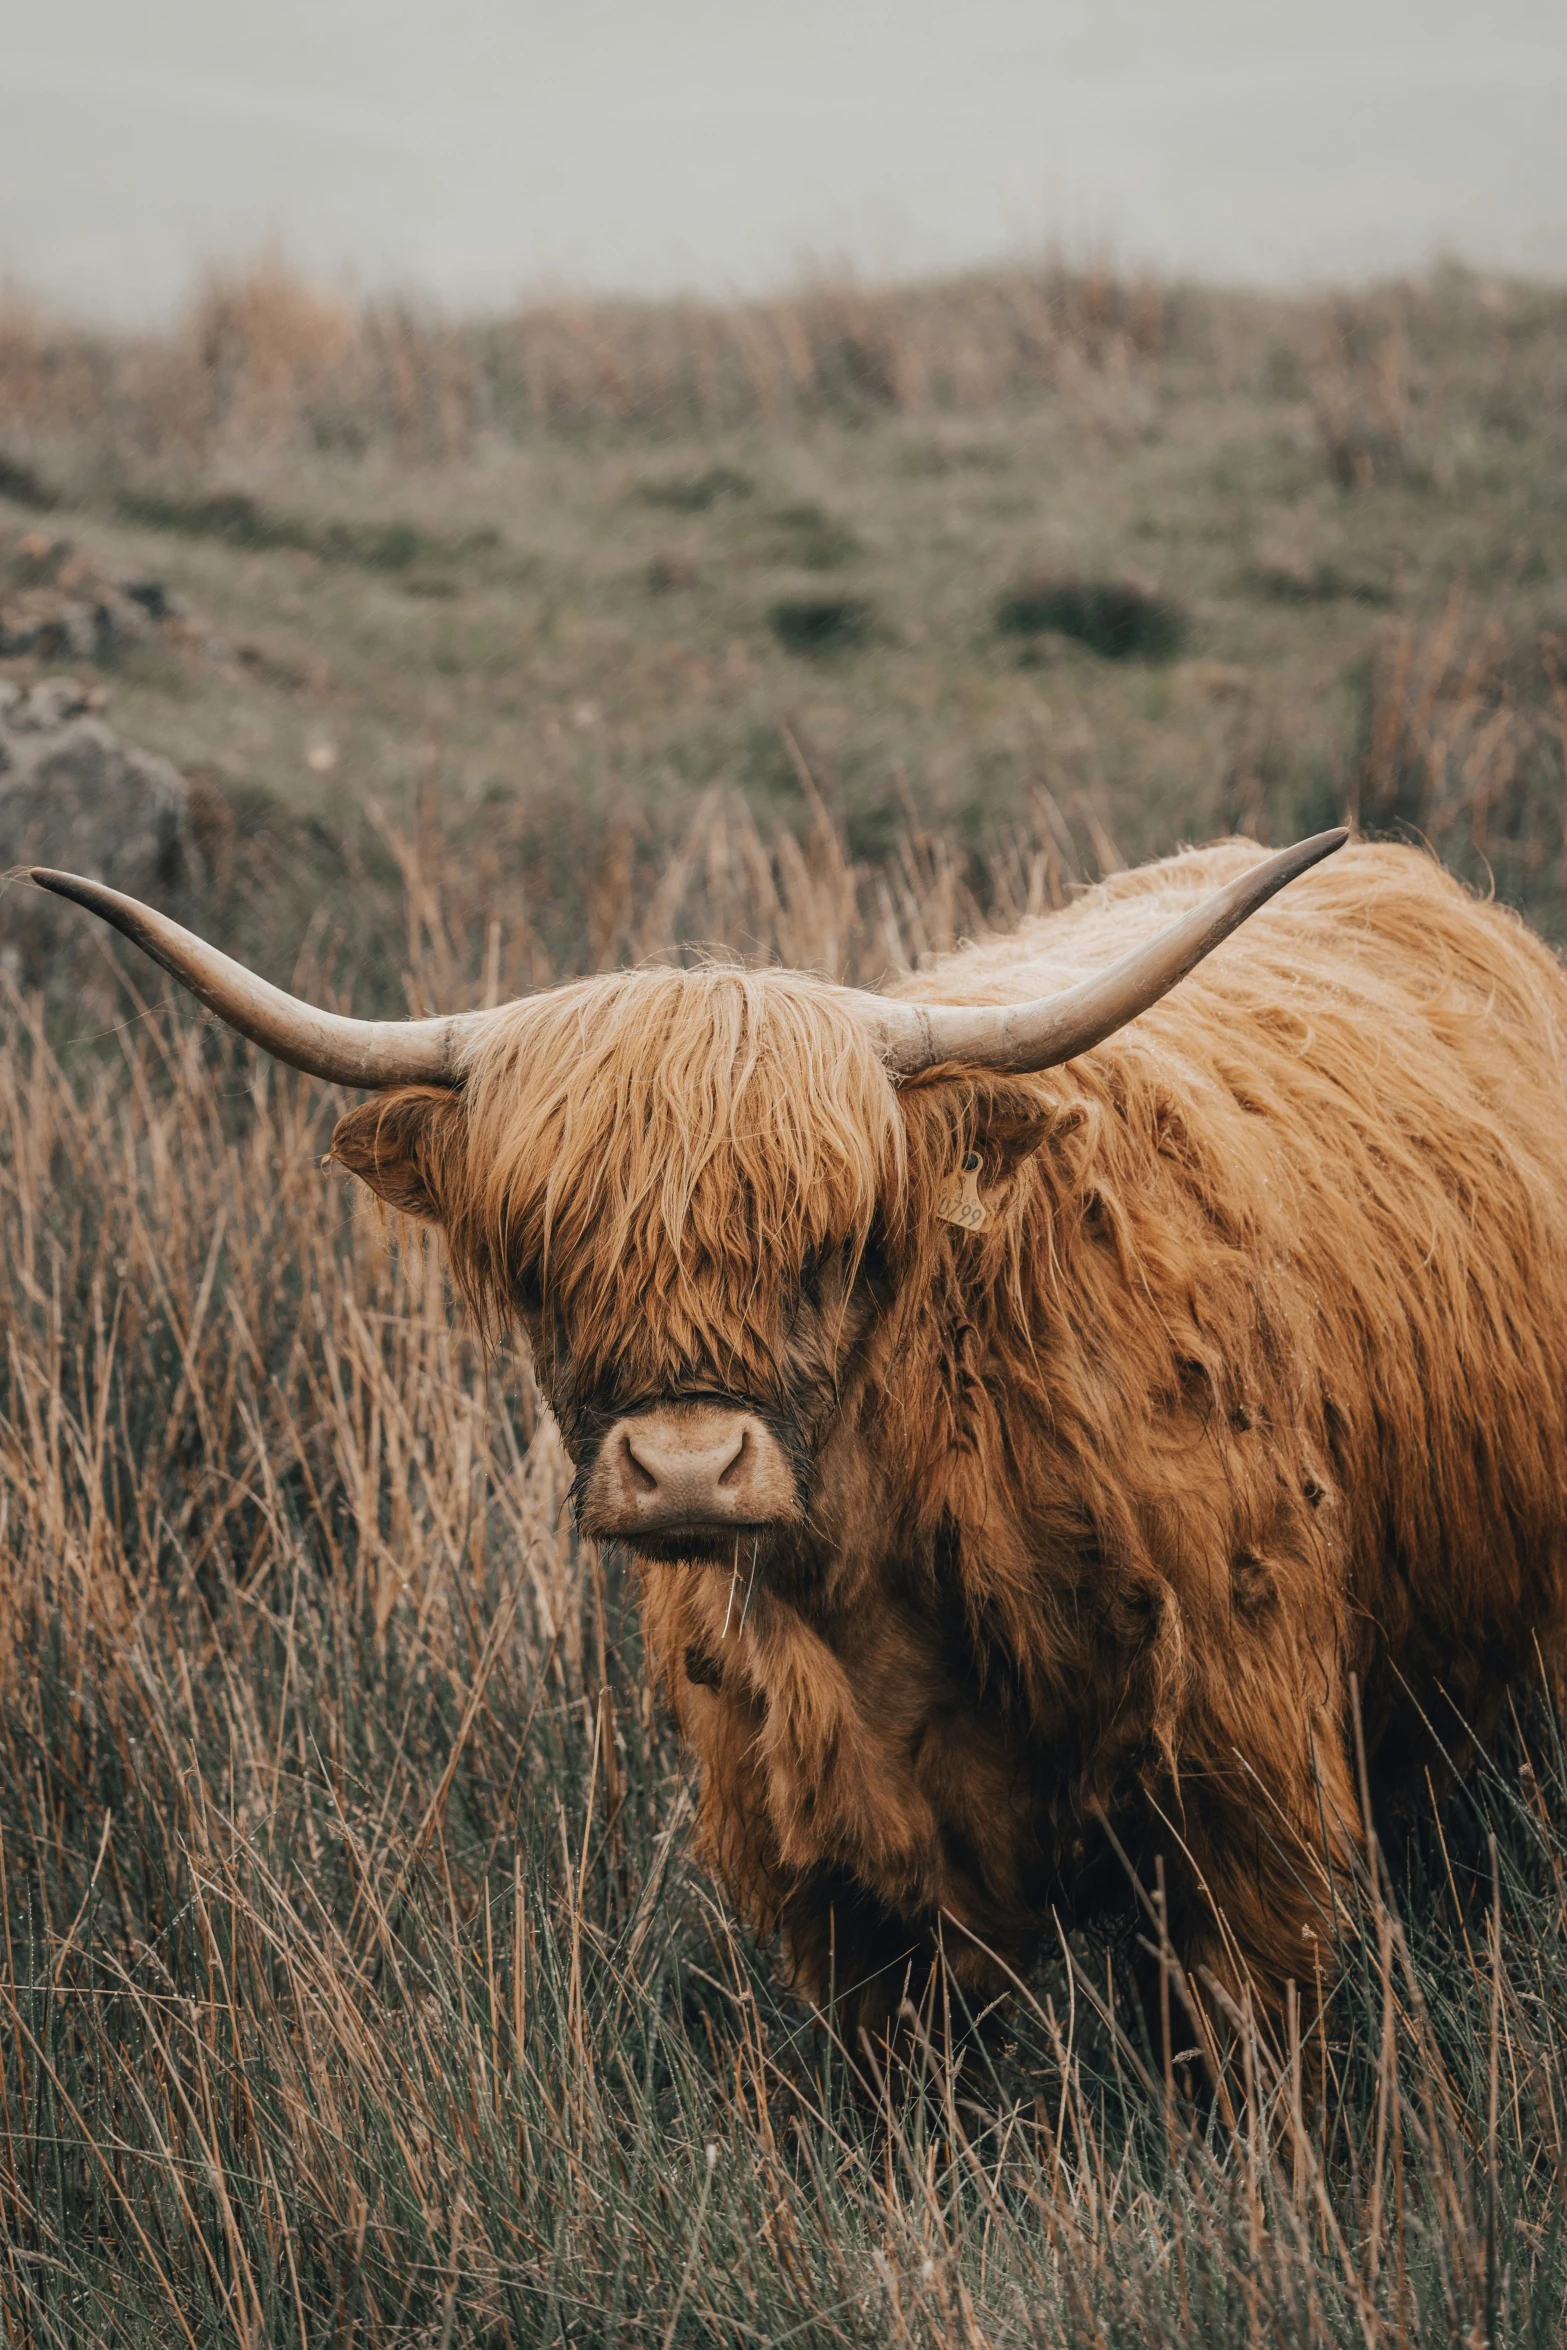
[72,795]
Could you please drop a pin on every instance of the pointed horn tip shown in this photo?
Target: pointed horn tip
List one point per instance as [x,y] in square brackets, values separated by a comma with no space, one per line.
[122,913]
[68,885]
[1299,856]
[1289,864]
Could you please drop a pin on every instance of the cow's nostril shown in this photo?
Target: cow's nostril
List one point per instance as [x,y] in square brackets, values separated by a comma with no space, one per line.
[640,1478]
[679,1468]
[730,1473]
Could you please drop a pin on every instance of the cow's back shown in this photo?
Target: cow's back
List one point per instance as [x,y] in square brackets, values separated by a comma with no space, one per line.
[1321,1186]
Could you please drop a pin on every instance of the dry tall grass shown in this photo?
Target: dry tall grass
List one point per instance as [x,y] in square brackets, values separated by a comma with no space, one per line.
[1466,744]
[356,1983]
[1361,398]
[261,361]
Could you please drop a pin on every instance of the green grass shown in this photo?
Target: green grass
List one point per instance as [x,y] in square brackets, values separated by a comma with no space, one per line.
[1117,619]
[581,622]
[236,519]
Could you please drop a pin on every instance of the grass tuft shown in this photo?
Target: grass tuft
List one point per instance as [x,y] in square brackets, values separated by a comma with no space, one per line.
[817,625]
[1118,619]
[25,486]
[815,539]
[696,493]
[236,519]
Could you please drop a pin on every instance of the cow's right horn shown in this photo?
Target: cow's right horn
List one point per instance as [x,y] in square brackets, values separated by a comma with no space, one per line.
[323,1044]
[911,1036]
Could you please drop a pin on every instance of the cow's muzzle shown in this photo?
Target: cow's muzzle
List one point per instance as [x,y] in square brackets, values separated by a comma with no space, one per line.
[681,1480]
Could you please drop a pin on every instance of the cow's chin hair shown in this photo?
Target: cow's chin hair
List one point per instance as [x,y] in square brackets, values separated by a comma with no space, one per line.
[692,1548]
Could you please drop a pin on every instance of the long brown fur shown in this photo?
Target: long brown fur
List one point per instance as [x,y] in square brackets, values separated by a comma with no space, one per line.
[1254,1380]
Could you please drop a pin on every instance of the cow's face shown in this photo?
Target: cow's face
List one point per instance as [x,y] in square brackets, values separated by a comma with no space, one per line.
[723,1441]
[690,1188]
[698,1189]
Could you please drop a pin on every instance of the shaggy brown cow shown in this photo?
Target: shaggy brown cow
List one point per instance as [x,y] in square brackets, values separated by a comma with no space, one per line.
[1030,1414]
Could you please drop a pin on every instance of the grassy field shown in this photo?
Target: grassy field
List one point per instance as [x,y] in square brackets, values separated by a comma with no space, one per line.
[358,1984]
[603,572]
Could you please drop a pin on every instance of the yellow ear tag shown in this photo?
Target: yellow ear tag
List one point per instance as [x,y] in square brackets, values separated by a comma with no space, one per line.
[958,1201]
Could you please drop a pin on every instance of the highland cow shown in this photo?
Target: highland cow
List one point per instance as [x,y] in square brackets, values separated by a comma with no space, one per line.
[1037,1400]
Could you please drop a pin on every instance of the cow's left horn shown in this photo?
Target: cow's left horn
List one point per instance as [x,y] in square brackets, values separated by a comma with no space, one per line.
[323,1044]
[1039,1035]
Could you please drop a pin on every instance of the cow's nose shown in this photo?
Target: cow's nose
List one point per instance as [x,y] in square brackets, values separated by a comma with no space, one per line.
[688,1468]
[691,1470]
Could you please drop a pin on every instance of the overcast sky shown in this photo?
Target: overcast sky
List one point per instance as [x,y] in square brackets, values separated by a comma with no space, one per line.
[485,148]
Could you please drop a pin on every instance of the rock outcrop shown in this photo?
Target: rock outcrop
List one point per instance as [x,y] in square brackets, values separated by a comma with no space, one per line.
[73,795]
[58,604]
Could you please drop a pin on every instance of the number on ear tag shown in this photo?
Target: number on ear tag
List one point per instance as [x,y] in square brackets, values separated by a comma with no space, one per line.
[958,1201]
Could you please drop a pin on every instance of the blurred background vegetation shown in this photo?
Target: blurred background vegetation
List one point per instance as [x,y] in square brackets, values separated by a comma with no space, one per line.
[1049,564]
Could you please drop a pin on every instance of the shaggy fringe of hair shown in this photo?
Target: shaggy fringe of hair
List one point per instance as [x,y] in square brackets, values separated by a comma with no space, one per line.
[668,1148]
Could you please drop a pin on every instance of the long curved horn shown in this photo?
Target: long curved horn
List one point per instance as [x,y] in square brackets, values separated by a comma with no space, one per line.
[323,1044]
[910,1037]
[1039,1035]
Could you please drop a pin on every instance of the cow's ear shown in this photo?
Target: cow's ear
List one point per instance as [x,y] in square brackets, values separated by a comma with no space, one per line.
[1003,1119]
[1011,1123]
[408,1146]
